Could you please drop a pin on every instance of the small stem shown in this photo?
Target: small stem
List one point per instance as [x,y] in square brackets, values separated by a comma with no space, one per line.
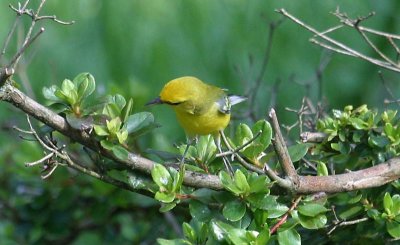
[18,55]
[48,156]
[282,151]
[284,218]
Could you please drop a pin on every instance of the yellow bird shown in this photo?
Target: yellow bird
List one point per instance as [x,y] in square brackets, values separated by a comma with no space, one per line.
[201,109]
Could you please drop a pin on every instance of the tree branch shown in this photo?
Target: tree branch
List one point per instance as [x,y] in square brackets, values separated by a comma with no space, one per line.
[336,46]
[371,177]
[282,151]
[135,162]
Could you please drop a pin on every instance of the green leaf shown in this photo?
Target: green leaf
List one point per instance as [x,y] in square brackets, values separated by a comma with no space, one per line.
[289,237]
[243,134]
[165,197]
[100,130]
[114,125]
[86,85]
[377,140]
[140,123]
[396,204]
[200,211]
[126,111]
[260,143]
[258,183]
[162,241]
[322,170]
[228,183]
[308,222]
[242,236]
[67,86]
[112,110]
[206,149]
[268,203]
[387,203]
[351,212]
[220,230]
[388,129]
[122,135]
[260,217]
[241,182]
[298,151]
[263,237]
[234,210]
[393,228]
[388,116]
[265,137]
[358,123]
[312,209]
[165,207]
[120,152]
[177,177]
[49,93]
[107,144]
[189,232]
[161,176]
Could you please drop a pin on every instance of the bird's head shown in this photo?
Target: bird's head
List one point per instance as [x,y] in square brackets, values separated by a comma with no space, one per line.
[179,90]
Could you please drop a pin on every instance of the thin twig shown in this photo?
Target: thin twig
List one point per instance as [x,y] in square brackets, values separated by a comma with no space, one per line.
[313,137]
[252,93]
[48,156]
[285,183]
[284,218]
[344,223]
[340,47]
[282,151]
[239,158]
[388,90]
[228,153]
[13,28]
[18,55]
[63,155]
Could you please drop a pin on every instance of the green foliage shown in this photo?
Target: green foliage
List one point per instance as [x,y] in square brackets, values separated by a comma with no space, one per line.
[114,123]
[257,139]
[135,64]
[244,212]
[71,95]
[361,134]
[169,182]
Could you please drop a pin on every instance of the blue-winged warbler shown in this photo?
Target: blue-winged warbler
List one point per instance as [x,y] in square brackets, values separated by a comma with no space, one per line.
[201,109]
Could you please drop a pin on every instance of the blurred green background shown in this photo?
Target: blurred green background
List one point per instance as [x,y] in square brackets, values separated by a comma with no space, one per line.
[134,48]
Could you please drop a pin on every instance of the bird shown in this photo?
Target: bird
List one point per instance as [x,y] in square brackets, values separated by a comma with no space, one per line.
[201,108]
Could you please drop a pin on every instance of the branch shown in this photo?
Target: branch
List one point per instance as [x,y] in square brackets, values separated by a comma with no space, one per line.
[313,137]
[375,176]
[371,177]
[282,151]
[339,47]
[134,162]
[362,179]
[284,218]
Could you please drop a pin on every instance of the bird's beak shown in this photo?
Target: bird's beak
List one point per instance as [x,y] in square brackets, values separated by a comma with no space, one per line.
[156,101]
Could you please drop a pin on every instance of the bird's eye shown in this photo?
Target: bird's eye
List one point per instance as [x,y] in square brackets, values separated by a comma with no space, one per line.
[173,103]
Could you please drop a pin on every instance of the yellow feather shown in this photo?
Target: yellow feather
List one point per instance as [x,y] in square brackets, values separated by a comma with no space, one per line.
[196,105]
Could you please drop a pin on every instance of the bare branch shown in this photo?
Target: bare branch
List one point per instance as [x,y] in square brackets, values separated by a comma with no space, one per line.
[339,47]
[345,223]
[284,218]
[24,47]
[312,137]
[282,152]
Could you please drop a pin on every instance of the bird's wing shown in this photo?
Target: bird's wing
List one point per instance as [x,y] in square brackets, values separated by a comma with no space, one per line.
[226,102]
